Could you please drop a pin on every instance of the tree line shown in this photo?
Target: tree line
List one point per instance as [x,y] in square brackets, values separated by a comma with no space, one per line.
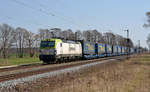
[147,25]
[23,40]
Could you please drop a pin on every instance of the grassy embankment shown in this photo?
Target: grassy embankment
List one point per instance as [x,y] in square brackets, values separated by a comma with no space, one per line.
[129,76]
[133,75]
[13,60]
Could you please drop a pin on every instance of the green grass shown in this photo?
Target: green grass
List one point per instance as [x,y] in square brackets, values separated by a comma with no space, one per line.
[18,61]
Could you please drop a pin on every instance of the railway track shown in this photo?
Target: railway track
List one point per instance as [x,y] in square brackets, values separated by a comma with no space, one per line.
[14,73]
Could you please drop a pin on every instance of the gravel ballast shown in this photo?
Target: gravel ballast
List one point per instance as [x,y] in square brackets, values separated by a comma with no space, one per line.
[12,83]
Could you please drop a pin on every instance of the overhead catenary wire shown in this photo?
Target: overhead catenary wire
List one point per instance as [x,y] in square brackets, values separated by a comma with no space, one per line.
[87,25]
[33,8]
[60,3]
[42,11]
[62,15]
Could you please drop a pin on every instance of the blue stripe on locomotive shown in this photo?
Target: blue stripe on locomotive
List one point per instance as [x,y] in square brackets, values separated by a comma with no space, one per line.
[88,50]
[100,50]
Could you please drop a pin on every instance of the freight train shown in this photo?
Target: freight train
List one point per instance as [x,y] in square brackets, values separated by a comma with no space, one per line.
[58,50]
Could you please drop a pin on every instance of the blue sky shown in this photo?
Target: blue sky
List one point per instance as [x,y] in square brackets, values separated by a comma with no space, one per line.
[103,15]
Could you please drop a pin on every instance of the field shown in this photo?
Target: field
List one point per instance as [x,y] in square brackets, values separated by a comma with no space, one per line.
[17,61]
[131,75]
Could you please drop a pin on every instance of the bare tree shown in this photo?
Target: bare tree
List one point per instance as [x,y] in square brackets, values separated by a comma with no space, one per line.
[0,43]
[120,40]
[68,34]
[148,41]
[6,38]
[96,36]
[0,48]
[131,43]
[30,39]
[100,38]
[45,34]
[20,37]
[37,43]
[64,34]
[148,20]
[87,35]
[109,38]
[147,25]
[78,35]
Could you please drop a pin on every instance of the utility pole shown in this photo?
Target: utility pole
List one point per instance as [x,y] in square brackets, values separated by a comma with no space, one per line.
[128,46]
[139,46]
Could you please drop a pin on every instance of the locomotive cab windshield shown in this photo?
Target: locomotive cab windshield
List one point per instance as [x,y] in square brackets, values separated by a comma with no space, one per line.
[45,44]
[48,47]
